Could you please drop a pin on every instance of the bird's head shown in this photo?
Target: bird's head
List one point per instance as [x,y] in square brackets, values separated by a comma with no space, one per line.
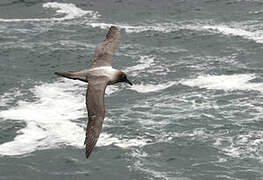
[123,78]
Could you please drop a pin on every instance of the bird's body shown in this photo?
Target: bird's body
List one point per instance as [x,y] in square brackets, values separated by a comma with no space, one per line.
[98,76]
[106,71]
[85,75]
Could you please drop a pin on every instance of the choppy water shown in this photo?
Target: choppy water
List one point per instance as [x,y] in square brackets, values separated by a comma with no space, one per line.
[194,112]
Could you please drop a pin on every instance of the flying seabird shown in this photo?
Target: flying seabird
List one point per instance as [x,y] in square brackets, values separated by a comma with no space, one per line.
[98,76]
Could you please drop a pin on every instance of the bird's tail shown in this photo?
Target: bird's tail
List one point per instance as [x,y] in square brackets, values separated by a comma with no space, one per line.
[72,75]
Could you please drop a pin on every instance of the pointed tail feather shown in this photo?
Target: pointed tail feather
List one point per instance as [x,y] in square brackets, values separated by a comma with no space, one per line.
[72,75]
[69,75]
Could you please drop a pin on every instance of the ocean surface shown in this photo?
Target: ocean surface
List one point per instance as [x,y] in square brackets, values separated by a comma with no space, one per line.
[195,111]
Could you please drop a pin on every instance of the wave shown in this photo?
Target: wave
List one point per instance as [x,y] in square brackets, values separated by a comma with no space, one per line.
[53,119]
[225,82]
[147,88]
[160,27]
[69,10]
[8,97]
[144,63]
[257,36]
[244,145]
[107,139]
[48,119]
[236,30]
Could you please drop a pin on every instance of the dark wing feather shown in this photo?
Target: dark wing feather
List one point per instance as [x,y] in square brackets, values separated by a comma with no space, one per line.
[96,111]
[104,51]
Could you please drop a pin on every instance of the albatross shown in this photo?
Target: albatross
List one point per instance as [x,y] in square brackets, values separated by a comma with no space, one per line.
[98,76]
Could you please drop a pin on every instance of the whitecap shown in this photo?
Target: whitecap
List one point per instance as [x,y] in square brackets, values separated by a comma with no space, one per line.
[244,145]
[48,119]
[51,119]
[147,88]
[69,10]
[225,82]
[111,90]
[108,139]
[139,157]
[144,62]
[257,36]
[9,96]
[236,30]
[159,27]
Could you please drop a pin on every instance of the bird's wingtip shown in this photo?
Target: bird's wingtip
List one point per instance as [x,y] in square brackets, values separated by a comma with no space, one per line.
[113,32]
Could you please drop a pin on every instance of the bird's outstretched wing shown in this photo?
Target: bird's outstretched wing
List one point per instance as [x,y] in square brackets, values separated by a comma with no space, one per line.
[104,51]
[96,111]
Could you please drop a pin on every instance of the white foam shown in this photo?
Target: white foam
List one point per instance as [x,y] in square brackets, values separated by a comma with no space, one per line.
[69,10]
[108,139]
[233,31]
[160,27]
[147,88]
[244,145]
[238,30]
[49,119]
[144,63]
[225,82]
[111,89]
[139,164]
[9,96]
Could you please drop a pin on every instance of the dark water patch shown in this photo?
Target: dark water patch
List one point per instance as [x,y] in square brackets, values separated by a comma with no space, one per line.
[9,129]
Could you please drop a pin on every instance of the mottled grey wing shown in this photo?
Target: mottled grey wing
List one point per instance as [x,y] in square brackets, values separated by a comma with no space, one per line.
[103,53]
[96,111]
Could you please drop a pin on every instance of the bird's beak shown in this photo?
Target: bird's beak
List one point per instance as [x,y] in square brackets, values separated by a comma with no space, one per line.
[129,82]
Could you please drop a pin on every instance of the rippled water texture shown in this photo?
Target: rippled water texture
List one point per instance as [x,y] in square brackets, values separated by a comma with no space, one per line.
[194,112]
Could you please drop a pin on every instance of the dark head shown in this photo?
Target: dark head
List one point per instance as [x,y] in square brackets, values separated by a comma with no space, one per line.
[123,78]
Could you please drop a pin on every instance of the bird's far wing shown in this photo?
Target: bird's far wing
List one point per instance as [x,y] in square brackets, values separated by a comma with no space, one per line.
[104,51]
[96,111]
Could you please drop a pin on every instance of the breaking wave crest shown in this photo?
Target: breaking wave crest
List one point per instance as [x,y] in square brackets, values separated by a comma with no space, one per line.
[147,88]
[226,82]
[69,10]
[257,36]
[56,117]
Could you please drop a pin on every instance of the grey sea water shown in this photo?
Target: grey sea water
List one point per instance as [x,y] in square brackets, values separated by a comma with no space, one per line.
[194,112]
